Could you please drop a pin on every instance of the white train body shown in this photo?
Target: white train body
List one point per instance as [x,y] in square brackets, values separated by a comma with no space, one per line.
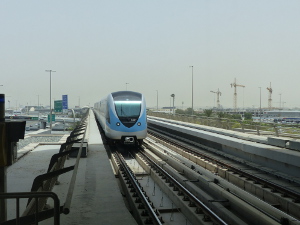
[122,116]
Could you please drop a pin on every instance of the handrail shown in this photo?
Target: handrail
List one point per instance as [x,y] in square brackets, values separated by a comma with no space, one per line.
[33,195]
[44,183]
[66,208]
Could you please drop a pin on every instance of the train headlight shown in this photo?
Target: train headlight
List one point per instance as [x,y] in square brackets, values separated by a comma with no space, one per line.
[118,124]
[139,124]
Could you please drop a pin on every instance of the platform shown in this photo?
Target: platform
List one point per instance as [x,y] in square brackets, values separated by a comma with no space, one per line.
[96,198]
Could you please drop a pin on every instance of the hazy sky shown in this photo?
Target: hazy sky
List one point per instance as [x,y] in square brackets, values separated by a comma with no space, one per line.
[96,47]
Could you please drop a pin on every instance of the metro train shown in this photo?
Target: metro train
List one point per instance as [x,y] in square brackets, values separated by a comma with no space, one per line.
[122,116]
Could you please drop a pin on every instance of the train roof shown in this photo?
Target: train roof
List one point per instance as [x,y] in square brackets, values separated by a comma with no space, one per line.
[126,95]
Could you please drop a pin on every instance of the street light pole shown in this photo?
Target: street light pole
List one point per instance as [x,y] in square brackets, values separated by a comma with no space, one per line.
[173,96]
[51,71]
[259,104]
[38,108]
[192,89]
[157,100]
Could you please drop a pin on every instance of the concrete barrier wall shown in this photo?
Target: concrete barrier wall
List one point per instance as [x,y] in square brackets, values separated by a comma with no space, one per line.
[280,159]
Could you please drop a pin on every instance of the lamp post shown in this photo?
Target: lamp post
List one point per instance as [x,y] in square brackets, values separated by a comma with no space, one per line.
[51,71]
[173,96]
[259,104]
[157,100]
[192,89]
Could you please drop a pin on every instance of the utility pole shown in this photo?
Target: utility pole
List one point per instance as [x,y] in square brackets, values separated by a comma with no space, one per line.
[51,71]
[259,104]
[173,96]
[157,100]
[192,90]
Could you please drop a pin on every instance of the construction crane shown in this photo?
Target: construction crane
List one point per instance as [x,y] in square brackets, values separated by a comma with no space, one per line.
[235,94]
[218,97]
[270,97]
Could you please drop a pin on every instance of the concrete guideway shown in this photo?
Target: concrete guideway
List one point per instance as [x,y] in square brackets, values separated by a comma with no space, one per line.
[284,142]
[283,161]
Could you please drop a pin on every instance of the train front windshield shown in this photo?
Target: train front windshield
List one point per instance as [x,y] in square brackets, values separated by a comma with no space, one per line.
[128,109]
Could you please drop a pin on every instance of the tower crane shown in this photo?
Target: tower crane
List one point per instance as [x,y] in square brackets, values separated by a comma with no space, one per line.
[218,97]
[235,94]
[270,97]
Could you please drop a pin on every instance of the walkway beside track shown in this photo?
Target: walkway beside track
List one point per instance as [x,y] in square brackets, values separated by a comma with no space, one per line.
[97,198]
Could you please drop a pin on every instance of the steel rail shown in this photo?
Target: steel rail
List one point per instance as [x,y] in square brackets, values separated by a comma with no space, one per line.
[191,196]
[152,214]
[266,183]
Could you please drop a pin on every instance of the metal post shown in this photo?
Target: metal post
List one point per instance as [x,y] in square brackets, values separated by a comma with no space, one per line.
[50,100]
[157,100]
[173,96]
[259,104]
[3,189]
[38,107]
[192,89]
[2,108]
[3,173]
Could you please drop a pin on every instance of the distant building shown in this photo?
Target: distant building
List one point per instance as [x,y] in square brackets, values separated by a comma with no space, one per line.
[281,113]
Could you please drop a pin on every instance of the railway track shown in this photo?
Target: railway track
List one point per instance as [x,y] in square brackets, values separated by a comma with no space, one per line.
[172,182]
[277,197]
[200,198]
[192,210]
[145,213]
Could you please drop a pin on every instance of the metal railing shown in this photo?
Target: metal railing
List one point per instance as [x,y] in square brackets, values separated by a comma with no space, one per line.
[245,126]
[36,215]
[43,184]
